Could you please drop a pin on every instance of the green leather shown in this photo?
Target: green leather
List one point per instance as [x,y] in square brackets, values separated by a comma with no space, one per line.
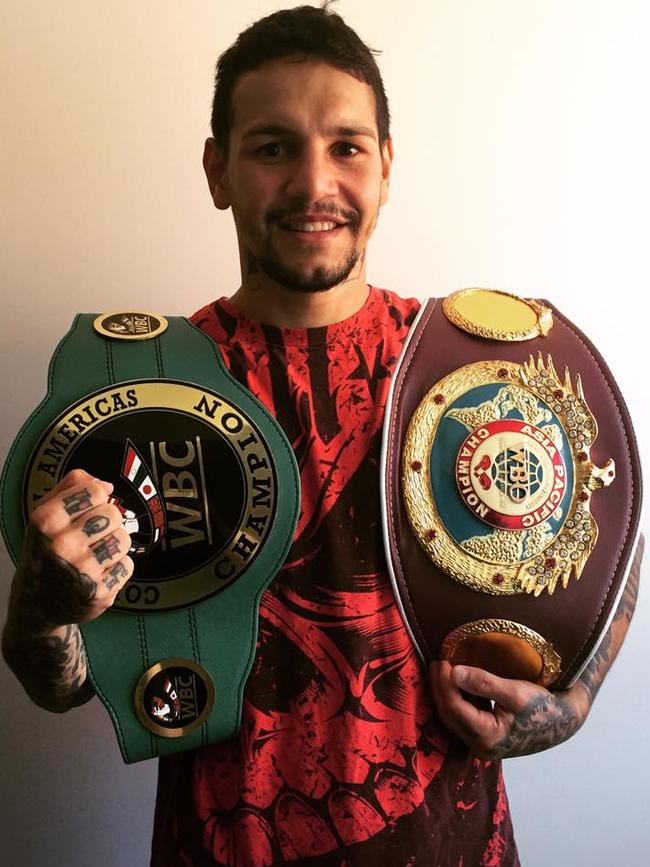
[220,632]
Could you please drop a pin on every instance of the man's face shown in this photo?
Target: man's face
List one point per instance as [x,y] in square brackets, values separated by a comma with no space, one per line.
[305,174]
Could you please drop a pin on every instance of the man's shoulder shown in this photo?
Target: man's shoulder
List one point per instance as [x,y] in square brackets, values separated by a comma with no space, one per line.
[400,308]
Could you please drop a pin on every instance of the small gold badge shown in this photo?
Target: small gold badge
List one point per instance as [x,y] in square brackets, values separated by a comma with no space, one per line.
[497,315]
[174,697]
[130,325]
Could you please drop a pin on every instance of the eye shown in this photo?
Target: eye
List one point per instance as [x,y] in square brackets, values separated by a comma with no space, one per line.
[346,149]
[271,149]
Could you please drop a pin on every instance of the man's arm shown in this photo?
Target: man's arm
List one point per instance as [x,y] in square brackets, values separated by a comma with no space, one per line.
[527,718]
[73,565]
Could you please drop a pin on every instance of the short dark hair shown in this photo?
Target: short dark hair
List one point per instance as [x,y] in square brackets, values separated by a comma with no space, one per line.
[305,31]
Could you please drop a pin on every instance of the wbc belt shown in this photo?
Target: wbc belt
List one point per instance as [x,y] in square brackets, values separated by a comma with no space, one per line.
[511,488]
[208,487]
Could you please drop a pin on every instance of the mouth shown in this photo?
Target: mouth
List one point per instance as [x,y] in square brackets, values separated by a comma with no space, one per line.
[311,228]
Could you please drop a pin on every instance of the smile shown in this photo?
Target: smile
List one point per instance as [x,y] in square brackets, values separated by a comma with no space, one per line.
[305,226]
[312,232]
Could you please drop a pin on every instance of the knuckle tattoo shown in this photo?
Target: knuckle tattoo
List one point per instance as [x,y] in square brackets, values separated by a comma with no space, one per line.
[115,575]
[77,502]
[96,524]
[106,549]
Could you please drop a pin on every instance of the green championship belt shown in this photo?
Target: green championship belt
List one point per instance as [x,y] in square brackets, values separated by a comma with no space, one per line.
[209,490]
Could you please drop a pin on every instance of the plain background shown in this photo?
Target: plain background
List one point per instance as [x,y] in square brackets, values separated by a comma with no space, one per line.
[521,139]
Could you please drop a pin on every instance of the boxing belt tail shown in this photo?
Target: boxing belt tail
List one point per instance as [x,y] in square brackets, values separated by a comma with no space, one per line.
[511,491]
[209,489]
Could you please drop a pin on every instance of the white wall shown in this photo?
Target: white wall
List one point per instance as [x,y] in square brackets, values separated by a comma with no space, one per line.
[522,146]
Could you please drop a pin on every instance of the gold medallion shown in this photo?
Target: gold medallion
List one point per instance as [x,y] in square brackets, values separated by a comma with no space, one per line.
[497,315]
[193,476]
[497,476]
[174,697]
[130,325]
[506,648]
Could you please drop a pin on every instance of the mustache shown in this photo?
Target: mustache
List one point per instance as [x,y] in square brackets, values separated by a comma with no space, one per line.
[299,208]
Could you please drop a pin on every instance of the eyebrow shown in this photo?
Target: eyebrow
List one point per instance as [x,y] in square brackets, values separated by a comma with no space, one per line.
[281,129]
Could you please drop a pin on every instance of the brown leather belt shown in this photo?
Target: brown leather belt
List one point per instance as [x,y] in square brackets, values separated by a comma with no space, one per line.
[510,471]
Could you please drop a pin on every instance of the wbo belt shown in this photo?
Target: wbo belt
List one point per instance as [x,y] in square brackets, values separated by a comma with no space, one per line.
[511,488]
[209,489]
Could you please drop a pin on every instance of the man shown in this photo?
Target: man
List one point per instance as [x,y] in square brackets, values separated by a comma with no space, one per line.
[349,754]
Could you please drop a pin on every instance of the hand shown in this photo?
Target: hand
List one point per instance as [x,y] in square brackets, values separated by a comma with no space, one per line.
[525,718]
[75,559]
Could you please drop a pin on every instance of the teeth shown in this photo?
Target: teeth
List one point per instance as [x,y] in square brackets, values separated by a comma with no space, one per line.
[312,227]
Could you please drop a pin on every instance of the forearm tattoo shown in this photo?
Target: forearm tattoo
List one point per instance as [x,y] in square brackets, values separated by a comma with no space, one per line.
[48,591]
[106,549]
[41,646]
[78,502]
[545,722]
[593,676]
[95,525]
[51,668]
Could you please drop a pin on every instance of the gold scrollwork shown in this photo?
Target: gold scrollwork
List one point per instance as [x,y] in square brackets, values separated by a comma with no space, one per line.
[502,563]
[551,661]
[497,315]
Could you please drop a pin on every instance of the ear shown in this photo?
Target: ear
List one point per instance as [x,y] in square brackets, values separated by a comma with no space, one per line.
[214,165]
[386,163]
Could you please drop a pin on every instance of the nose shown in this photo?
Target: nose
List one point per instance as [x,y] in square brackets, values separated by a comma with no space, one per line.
[312,175]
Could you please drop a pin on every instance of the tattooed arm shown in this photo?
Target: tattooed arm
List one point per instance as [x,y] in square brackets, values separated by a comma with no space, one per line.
[73,565]
[527,718]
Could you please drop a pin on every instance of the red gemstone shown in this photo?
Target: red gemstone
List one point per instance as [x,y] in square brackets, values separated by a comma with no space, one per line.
[146,489]
[584,496]
[550,563]
[583,456]
[439,398]
[498,578]
[503,372]
[558,393]
[431,535]
[417,466]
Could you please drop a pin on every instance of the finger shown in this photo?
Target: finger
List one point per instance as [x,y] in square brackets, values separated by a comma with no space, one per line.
[116,576]
[459,714]
[56,515]
[73,545]
[98,522]
[71,480]
[111,548]
[510,694]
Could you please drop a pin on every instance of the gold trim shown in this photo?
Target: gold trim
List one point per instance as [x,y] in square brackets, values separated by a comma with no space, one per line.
[516,311]
[551,661]
[150,673]
[49,461]
[143,316]
[549,562]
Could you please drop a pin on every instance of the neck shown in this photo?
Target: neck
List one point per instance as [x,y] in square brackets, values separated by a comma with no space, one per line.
[267,301]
